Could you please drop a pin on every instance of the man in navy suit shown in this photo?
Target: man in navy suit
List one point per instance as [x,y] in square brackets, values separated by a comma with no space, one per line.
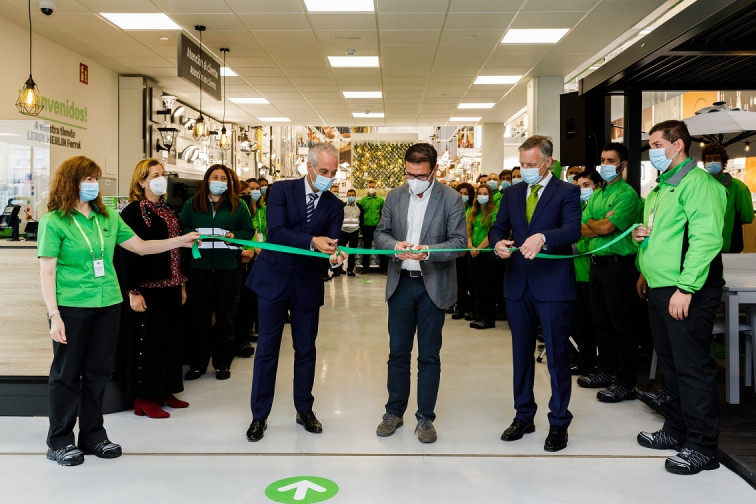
[301,213]
[541,216]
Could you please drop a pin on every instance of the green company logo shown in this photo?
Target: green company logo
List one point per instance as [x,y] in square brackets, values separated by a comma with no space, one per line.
[301,490]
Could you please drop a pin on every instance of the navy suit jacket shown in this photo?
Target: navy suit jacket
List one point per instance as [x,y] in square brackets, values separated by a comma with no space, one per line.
[278,274]
[557,216]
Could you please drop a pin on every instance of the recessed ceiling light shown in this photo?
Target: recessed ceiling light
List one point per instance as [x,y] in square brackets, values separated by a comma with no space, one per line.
[354,61]
[498,79]
[368,115]
[274,119]
[248,101]
[339,5]
[140,21]
[227,72]
[475,105]
[534,35]
[163,38]
[464,119]
[363,94]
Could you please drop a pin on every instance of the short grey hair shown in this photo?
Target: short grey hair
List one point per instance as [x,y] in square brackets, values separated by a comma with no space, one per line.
[543,143]
[312,155]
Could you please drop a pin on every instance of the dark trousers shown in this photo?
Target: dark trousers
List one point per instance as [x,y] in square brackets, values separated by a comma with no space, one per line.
[615,313]
[684,351]
[304,331]
[246,311]
[484,283]
[213,292]
[410,308]
[367,242]
[350,240]
[79,373]
[464,297]
[555,317]
[584,329]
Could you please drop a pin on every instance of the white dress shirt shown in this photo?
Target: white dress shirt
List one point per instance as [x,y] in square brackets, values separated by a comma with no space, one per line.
[415,217]
[542,183]
[308,191]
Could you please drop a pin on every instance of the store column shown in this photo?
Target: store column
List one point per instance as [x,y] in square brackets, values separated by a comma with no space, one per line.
[492,149]
[543,108]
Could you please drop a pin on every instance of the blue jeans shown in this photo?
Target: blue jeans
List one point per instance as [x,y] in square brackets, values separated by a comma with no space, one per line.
[411,308]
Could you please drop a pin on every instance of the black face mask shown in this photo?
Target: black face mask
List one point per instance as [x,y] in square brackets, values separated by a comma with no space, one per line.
[247,199]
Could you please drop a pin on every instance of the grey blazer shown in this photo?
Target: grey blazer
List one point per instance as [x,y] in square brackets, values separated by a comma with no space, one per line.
[444,226]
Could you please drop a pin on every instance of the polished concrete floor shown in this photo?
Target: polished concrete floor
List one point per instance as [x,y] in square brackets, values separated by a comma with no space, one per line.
[201,454]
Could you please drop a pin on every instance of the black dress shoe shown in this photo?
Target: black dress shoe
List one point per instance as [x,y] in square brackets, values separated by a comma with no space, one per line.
[193,374]
[518,429]
[310,423]
[222,374]
[256,430]
[556,440]
[350,273]
[479,324]
[104,449]
[457,315]
[245,350]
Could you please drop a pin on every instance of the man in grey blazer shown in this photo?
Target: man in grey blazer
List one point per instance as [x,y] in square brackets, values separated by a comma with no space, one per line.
[420,286]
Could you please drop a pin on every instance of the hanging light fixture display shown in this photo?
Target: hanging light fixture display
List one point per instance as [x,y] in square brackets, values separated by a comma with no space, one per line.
[199,131]
[224,140]
[29,101]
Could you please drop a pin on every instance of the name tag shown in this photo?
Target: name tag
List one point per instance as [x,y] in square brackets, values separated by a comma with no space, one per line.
[99,268]
[260,237]
[651,220]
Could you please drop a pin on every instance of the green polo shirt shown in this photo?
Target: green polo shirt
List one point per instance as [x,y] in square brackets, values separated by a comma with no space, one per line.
[739,203]
[621,198]
[582,263]
[480,229]
[75,281]
[497,199]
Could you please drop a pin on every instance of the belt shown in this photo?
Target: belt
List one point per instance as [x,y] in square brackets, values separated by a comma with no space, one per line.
[412,273]
[615,258]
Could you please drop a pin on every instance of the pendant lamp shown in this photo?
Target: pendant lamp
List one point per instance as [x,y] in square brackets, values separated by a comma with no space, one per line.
[224,140]
[199,131]
[29,101]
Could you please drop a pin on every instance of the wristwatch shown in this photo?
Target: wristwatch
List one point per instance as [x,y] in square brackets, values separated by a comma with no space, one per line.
[52,313]
[543,237]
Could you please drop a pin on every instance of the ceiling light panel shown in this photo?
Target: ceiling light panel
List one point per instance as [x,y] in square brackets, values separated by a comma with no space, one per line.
[339,5]
[476,105]
[354,61]
[227,72]
[248,101]
[498,79]
[274,119]
[464,119]
[534,35]
[140,21]
[368,115]
[363,94]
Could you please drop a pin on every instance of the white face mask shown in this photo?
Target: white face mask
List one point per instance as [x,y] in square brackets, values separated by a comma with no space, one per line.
[371,190]
[418,186]
[159,186]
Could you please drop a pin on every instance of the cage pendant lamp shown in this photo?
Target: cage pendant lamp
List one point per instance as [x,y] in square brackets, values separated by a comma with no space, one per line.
[224,140]
[29,100]
[199,131]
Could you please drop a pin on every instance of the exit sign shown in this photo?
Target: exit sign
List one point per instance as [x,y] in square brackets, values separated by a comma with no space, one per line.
[83,73]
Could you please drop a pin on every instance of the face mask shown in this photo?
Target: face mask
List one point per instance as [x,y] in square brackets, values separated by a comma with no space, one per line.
[351,199]
[713,167]
[263,189]
[608,172]
[371,190]
[530,175]
[89,191]
[159,186]
[246,199]
[418,186]
[585,193]
[465,198]
[255,195]
[505,184]
[482,199]
[493,184]
[322,183]
[659,159]
[516,180]
[217,187]
[571,179]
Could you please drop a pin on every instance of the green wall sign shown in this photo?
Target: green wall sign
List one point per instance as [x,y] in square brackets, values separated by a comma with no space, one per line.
[301,490]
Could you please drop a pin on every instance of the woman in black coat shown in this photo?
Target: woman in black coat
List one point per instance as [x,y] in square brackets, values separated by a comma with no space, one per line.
[156,288]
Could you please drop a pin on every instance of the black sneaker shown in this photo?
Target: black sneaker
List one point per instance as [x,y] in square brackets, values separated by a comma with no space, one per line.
[67,456]
[596,380]
[659,440]
[648,397]
[615,393]
[690,462]
[104,449]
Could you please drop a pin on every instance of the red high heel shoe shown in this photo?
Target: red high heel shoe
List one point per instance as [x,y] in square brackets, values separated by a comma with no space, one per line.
[150,408]
[171,401]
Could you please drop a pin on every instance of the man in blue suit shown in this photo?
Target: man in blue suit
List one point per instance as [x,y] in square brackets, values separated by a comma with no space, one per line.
[541,216]
[301,213]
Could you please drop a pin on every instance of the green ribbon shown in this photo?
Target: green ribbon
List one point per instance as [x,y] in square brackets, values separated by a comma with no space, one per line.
[274,247]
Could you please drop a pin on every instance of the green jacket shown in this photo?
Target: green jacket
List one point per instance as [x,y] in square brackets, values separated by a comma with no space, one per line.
[739,204]
[688,202]
[371,209]
[215,254]
[622,199]
[582,263]
[260,223]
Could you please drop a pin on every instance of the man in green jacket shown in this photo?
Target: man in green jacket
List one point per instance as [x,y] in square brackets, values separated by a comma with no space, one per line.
[739,209]
[371,204]
[681,273]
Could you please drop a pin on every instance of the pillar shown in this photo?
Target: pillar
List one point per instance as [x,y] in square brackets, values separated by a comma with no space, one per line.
[492,148]
[543,108]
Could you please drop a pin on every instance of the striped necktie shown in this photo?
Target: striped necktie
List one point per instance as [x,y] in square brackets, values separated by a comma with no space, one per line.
[310,206]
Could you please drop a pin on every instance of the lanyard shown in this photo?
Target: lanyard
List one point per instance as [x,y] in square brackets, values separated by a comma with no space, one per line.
[657,202]
[89,244]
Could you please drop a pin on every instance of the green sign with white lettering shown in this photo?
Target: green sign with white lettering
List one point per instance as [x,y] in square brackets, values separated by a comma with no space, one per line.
[301,490]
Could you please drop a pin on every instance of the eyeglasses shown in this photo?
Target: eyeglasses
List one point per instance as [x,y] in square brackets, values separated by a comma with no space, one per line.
[530,166]
[411,176]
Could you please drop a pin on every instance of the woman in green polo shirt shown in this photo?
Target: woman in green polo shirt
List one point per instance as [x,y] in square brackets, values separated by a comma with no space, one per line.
[77,239]
[482,215]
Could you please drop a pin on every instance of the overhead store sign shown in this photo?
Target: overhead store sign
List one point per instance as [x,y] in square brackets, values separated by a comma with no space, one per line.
[193,63]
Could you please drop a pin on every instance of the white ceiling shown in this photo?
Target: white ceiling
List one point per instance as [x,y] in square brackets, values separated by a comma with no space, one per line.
[430,51]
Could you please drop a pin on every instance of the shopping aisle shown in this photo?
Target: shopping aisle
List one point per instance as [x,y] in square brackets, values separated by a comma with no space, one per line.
[201,454]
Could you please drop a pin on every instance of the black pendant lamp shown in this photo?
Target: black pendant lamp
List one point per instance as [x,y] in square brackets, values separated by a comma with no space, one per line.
[29,101]
[224,140]
[199,131]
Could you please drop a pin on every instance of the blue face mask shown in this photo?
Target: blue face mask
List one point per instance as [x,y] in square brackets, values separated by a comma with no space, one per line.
[531,175]
[659,159]
[255,195]
[493,184]
[608,172]
[263,189]
[482,199]
[505,184]
[351,199]
[322,183]
[516,180]
[88,191]
[465,198]
[713,167]
[217,187]
[585,193]
[571,179]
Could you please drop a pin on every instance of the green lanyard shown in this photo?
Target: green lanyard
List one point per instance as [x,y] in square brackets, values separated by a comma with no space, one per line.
[89,244]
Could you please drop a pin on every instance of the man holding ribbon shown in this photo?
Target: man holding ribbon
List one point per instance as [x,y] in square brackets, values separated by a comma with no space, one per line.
[543,216]
[301,213]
